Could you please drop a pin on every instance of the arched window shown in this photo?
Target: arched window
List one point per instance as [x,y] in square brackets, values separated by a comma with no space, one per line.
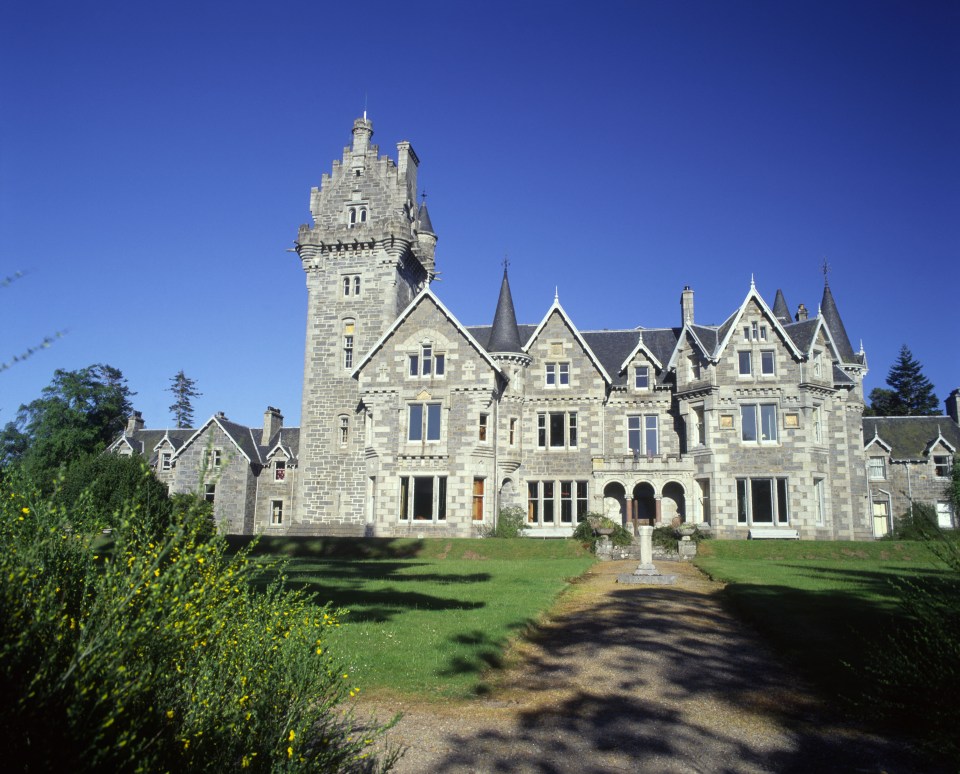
[353,217]
[346,286]
[363,214]
[356,285]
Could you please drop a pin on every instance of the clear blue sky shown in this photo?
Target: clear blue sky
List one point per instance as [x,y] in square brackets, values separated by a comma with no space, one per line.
[156,161]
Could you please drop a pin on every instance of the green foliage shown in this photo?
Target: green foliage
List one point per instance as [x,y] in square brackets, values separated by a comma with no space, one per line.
[952,490]
[665,538]
[588,531]
[78,414]
[100,491]
[160,654]
[510,524]
[184,390]
[910,393]
[919,522]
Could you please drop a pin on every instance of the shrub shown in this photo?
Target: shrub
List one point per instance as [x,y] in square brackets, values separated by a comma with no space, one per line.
[160,654]
[511,522]
[665,538]
[919,522]
[586,531]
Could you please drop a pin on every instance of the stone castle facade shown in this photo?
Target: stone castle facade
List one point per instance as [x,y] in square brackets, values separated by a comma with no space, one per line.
[415,424]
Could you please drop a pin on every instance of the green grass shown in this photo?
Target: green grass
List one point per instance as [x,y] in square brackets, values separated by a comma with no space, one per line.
[429,617]
[826,607]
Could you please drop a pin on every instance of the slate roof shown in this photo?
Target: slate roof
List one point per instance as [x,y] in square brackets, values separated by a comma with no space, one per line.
[803,333]
[780,309]
[248,439]
[831,316]
[504,334]
[144,441]
[482,333]
[910,437]
[423,217]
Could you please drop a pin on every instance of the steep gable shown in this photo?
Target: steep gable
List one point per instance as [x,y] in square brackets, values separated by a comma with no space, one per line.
[556,309]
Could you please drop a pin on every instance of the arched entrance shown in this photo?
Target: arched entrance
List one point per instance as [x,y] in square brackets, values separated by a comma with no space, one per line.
[614,502]
[645,503]
[673,504]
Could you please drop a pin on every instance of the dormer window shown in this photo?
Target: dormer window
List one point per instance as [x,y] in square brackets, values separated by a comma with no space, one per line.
[279,470]
[641,378]
[942,465]
[166,460]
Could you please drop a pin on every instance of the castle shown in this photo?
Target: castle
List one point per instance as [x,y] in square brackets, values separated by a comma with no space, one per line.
[414,424]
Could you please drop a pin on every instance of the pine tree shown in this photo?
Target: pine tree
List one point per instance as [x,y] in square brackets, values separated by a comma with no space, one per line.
[183,389]
[910,393]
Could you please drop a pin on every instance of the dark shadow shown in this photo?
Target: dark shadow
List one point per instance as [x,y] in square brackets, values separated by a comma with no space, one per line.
[330,547]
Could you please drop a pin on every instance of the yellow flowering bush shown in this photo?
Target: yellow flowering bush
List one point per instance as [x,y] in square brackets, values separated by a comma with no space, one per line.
[153,653]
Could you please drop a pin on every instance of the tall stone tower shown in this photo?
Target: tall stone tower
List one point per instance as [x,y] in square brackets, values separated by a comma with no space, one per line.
[368,252]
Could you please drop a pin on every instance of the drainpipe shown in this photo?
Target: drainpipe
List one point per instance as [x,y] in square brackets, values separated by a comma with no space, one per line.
[496,457]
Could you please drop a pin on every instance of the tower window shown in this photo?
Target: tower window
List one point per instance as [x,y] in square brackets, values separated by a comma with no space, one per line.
[348,332]
[344,430]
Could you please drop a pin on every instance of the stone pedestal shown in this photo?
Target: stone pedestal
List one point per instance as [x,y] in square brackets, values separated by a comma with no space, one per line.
[646,572]
[687,548]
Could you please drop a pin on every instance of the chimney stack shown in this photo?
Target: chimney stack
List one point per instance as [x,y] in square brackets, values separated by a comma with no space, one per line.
[953,403]
[686,306]
[801,313]
[134,423]
[272,422]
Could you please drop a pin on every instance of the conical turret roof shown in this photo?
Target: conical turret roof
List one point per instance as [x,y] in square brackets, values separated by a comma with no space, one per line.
[423,219]
[505,335]
[780,309]
[831,316]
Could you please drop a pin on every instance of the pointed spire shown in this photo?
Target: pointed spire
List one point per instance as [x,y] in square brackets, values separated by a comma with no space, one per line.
[504,334]
[831,316]
[780,309]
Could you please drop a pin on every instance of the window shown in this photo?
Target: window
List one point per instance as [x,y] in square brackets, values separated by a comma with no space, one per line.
[279,470]
[356,285]
[818,365]
[351,281]
[209,492]
[641,378]
[557,375]
[424,498]
[344,430]
[942,465]
[542,502]
[348,332]
[694,362]
[482,428]
[744,363]
[700,429]
[755,332]
[166,460]
[557,429]
[642,434]
[513,431]
[346,286]
[478,487]
[276,511]
[426,362]
[818,424]
[424,422]
[214,458]
[820,501]
[877,468]
[881,517]
[758,422]
[762,501]
[767,364]
[944,514]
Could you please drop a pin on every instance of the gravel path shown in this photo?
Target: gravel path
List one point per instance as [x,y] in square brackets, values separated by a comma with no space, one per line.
[627,678]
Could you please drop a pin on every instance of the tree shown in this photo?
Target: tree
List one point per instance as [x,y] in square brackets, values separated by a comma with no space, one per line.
[910,393]
[78,413]
[183,389]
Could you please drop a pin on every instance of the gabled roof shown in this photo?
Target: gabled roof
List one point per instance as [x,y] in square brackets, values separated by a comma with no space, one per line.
[877,440]
[246,440]
[731,324]
[287,441]
[617,349]
[912,438]
[641,346]
[425,294]
[555,307]
[804,335]
[146,442]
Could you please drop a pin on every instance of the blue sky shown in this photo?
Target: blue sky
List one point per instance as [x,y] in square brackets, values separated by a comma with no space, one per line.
[156,161]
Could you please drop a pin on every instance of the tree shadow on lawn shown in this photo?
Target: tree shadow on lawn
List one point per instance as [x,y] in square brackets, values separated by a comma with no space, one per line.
[330,547]
[664,679]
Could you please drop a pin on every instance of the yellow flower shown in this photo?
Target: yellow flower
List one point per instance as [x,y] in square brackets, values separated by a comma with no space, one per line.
[289,752]
[169,713]
[25,511]
[292,736]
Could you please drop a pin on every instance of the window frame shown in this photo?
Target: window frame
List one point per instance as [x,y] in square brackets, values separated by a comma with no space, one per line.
[279,470]
[408,500]
[276,512]
[426,363]
[641,378]
[562,503]
[761,418]
[942,465]
[546,429]
[744,359]
[876,464]
[639,427]
[749,497]
[430,416]
[768,357]
[556,374]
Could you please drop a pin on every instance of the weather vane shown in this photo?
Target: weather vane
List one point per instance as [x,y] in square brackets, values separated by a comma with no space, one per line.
[826,270]
[506,263]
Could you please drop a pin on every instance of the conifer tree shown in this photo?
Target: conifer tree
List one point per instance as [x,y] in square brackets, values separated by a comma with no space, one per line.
[183,388]
[910,393]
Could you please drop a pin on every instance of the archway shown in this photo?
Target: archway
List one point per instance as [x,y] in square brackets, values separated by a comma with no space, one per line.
[645,503]
[673,503]
[614,502]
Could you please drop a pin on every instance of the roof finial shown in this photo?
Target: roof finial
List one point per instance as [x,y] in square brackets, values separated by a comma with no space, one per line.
[556,293]
[825,267]
[506,263]
[364,106]
[752,283]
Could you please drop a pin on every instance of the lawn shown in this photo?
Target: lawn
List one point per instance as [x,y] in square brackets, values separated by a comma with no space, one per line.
[428,617]
[833,608]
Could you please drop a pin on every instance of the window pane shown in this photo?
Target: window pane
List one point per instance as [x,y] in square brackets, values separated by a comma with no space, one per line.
[741,501]
[581,500]
[442,498]
[556,429]
[414,365]
[748,422]
[404,497]
[744,361]
[566,502]
[423,498]
[766,361]
[438,364]
[651,435]
[633,433]
[551,374]
[783,515]
[416,422]
[761,500]
[533,501]
[433,421]
[573,428]
[768,422]
[564,374]
[541,430]
[427,361]
[643,378]
[548,502]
